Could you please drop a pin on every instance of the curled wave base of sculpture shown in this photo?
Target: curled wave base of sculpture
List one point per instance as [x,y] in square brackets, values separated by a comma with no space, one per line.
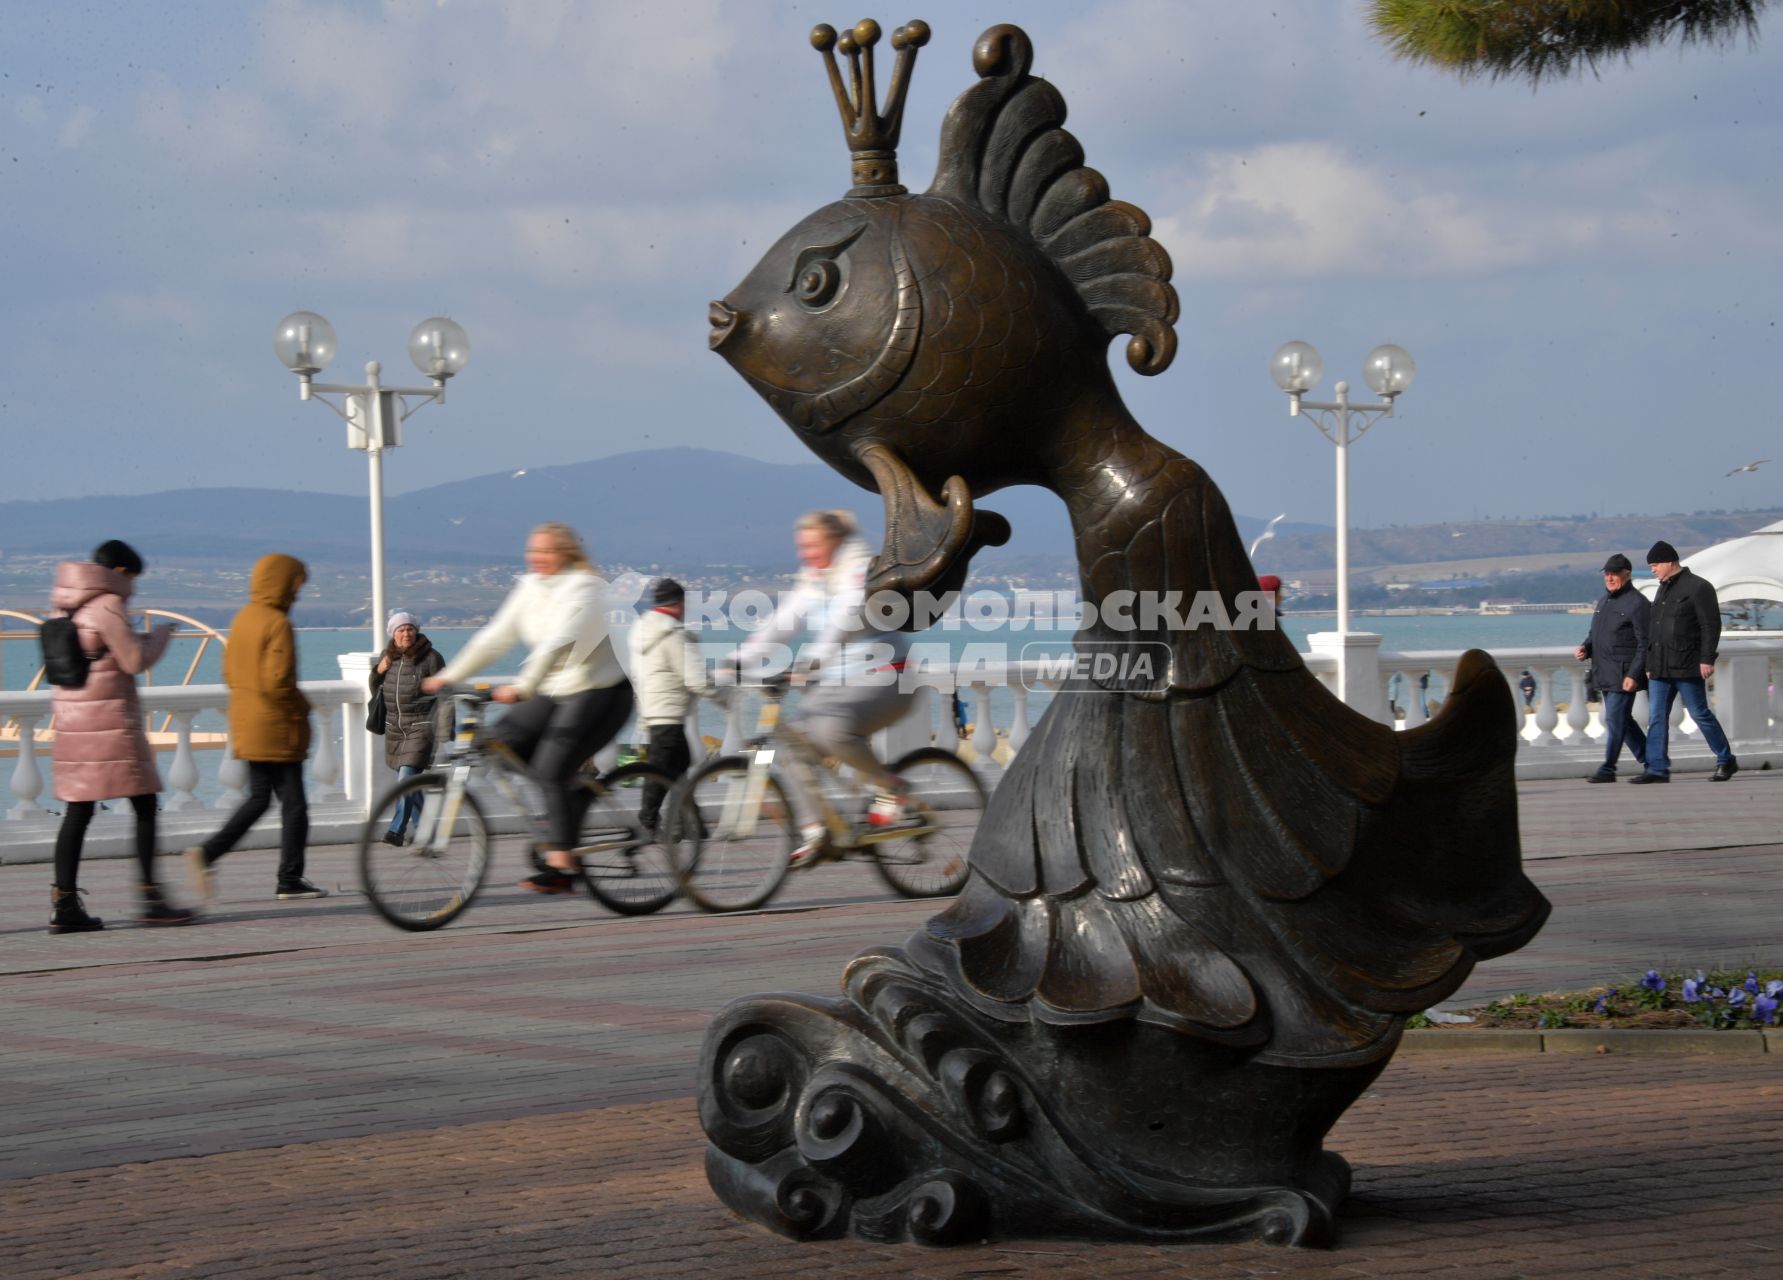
[892,1114]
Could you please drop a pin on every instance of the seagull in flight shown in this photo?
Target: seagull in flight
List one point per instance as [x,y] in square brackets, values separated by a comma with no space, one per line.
[518,474]
[1267,534]
[1750,466]
[457,519]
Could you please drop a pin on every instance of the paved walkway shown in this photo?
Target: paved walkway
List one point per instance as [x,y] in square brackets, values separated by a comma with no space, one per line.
[512,1094]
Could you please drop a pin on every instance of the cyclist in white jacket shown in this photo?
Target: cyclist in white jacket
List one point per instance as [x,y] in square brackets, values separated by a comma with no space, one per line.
[571,697]
[855,688]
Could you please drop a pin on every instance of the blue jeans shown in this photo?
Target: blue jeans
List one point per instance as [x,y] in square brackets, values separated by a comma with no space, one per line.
[1619,726]
[1659,711]
[408,809]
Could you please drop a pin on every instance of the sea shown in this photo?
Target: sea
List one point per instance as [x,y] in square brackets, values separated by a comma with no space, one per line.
[320,648]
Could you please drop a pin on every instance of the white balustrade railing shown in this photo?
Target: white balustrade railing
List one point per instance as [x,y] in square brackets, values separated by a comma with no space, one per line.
[1560,727]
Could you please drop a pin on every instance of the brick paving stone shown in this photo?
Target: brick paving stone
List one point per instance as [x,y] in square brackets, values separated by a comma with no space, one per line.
[1445,1186]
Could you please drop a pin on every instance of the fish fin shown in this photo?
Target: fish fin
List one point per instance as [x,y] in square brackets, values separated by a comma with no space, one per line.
[929,545]
[1004,150]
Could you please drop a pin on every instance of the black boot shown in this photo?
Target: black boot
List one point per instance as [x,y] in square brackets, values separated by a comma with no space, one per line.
[68,916]
[157,910]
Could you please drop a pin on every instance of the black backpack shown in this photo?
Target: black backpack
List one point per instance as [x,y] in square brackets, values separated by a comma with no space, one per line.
[65,663]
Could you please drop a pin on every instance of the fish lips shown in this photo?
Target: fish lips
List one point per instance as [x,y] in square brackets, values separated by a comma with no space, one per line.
[724,319]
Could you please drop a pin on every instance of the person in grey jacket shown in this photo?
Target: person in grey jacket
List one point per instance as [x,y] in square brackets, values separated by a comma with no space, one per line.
[1683,638]
[1617,650]
[408,713]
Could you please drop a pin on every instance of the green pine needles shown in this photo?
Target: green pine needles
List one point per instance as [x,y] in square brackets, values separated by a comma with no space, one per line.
[1538,40]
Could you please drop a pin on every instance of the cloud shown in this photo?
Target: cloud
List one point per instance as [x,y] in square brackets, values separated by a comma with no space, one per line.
[1296,210]
[165,309]
[220,133]
[74,129]
[650,246]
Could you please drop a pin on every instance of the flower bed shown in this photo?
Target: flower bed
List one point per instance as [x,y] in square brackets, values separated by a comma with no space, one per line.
[1719,1001]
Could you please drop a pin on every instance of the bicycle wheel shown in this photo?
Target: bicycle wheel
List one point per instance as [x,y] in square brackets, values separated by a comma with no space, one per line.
[629,868]
[429,881]
[946,801]
[735,833]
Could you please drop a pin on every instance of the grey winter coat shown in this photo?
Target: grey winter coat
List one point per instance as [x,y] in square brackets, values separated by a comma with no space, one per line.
[408,713]
[1617,645]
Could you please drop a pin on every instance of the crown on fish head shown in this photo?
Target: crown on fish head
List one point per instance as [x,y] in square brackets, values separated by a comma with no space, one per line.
[872,136]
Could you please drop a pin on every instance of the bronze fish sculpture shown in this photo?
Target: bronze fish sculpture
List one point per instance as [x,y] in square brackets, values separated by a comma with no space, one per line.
[1206,894]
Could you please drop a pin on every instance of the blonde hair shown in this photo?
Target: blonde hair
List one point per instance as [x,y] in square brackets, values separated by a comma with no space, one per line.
[837,523]
[568,541]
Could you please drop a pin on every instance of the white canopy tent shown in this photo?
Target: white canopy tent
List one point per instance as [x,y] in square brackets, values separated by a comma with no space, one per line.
[1748,568]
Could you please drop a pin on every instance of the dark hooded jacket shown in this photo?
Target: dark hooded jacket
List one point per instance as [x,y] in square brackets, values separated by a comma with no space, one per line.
[1684,630]
[1617,645]
[269,718]
[408,713]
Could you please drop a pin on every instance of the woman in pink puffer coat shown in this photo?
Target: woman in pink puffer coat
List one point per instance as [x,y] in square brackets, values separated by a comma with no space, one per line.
[101,751]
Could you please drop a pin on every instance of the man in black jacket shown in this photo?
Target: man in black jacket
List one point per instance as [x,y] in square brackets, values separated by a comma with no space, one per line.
[1617,650]
[1683,635]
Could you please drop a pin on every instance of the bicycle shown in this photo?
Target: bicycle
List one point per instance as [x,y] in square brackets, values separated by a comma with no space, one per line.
[431,880]
[738,833]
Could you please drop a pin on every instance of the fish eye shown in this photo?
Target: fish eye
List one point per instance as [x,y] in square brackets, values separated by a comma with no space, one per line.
[818,283]
[817,273]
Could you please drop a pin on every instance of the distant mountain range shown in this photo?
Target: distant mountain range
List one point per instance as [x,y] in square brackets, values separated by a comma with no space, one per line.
[684,508]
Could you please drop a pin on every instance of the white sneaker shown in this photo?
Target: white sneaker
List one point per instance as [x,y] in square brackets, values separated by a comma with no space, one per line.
[810,850]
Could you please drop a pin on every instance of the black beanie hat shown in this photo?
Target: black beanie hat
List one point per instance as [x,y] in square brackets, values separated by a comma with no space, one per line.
[1662,552]
[667,592]
[1617,563]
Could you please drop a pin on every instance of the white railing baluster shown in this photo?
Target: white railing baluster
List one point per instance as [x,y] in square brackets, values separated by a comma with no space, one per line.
[182,776]
[27,782]
[1578,712]
[984,733]
[1415,704]
[733,724]
[1547,715]
[325,768]
[233,775]
[1018,726]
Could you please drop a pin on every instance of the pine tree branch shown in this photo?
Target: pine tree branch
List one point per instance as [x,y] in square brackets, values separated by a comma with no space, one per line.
[1541,40]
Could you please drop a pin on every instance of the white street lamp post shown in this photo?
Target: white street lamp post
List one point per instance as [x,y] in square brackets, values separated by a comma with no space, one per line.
[374,413]
[1388,370]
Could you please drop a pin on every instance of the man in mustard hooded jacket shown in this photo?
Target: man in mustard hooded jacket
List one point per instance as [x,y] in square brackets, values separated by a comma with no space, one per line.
[269,726]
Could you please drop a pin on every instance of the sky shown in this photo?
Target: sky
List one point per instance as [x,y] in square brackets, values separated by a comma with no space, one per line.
[1588,275]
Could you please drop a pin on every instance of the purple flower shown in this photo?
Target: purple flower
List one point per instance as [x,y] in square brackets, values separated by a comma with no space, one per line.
[1736,997]
[1602,1001]
[1774,987]
[1653,982]
[1764,1009]
[1715,993]
[1751,982]
[1690,988]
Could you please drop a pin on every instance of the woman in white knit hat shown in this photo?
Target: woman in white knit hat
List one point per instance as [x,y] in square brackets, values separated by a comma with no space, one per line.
[408,659]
